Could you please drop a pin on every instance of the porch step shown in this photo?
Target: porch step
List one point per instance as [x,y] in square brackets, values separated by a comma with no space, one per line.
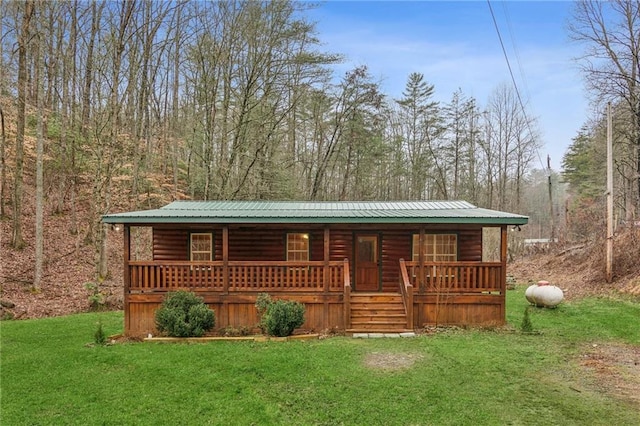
[377,312]
[373,316]
[352,331]
[379,306]
[376,297]
[379,326]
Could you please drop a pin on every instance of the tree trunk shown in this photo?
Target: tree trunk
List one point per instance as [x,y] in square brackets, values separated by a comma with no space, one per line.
[3,173]
[17,240]
[3,140]
[39,260]
[96,13]
[175,89]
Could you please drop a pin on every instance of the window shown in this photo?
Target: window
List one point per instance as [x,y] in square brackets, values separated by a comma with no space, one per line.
[201,247]
[298,247]
[437,247]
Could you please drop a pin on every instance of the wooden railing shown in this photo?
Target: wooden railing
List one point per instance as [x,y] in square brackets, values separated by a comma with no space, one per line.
[406,288]
[456,277]
[241,276]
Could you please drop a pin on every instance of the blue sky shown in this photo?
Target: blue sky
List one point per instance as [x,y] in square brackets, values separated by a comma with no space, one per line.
[455,45]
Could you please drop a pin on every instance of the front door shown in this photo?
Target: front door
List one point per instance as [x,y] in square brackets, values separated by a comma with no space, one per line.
[367,265]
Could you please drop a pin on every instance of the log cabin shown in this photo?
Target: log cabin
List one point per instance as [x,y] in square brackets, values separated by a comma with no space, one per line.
[357,266]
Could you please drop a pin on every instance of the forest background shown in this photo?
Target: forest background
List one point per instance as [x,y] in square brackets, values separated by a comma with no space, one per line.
[110,106]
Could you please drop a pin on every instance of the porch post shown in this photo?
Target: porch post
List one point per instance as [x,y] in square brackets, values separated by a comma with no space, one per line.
[327,239]
[225,259]
[346,278]
[325,274]
[421,260]
[503,274]
[126,234]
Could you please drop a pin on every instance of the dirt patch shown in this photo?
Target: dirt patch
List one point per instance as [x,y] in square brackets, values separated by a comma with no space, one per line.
[615,368]
[391,361]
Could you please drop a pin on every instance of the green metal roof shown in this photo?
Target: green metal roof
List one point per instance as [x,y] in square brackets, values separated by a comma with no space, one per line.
[455,212]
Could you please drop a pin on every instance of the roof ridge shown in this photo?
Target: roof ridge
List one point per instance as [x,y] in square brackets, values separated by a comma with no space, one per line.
[396,205]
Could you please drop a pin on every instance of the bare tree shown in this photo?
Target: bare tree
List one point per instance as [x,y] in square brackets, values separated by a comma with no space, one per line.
[143,80]
[3,139]
[355,93]
[246,74]
[510,146]
[610,34]
[96,17]
[107,143]
[460,151]
[17,240]
[3,173]
[39,79]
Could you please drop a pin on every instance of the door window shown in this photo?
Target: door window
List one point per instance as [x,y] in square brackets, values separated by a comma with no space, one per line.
[367,249]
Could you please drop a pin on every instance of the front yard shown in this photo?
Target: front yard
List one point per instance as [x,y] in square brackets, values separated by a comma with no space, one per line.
[581,366]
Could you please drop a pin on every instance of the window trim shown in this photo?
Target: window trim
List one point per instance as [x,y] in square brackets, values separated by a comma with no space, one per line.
[210,251]
[286,248]
[415,256]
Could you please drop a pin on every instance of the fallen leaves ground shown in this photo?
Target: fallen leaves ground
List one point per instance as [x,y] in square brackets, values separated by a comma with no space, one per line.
[616,369]
[69,265]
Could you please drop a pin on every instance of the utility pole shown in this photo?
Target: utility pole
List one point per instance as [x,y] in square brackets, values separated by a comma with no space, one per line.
[609,195]
[553,221]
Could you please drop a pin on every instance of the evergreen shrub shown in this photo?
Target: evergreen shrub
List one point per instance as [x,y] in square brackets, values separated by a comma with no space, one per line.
[526,326]
[99,337]
[183,314]
[279,317]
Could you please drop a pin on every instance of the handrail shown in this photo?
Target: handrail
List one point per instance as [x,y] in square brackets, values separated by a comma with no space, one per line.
[464,263]
[159,276]
[467,277]
[347,294]
[406,288]
[285,263]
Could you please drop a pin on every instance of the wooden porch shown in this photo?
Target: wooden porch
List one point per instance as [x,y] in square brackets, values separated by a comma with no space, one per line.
[427,293]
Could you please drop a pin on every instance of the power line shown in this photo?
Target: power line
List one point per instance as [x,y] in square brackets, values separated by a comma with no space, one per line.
[507,16]
[515,85]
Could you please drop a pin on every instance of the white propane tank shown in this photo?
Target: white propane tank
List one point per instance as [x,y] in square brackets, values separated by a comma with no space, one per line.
[544,295]
[529,293]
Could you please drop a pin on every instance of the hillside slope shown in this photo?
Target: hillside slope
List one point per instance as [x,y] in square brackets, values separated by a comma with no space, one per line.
[69,266]
[579,269]
[69,263]
[70,258]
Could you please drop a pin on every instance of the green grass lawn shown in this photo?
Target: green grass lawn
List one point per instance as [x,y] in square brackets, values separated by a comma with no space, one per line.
[49,375]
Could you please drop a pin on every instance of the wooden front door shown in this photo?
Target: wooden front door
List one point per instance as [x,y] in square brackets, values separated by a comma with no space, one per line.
[367,265]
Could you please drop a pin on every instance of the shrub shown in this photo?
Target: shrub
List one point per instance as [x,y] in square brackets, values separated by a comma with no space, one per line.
[279,317]
[96,297]
[526,326]
[262,303]
[183,314]
[99,337]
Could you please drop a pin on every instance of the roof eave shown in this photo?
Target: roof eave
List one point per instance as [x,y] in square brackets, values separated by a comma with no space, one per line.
[516,220]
